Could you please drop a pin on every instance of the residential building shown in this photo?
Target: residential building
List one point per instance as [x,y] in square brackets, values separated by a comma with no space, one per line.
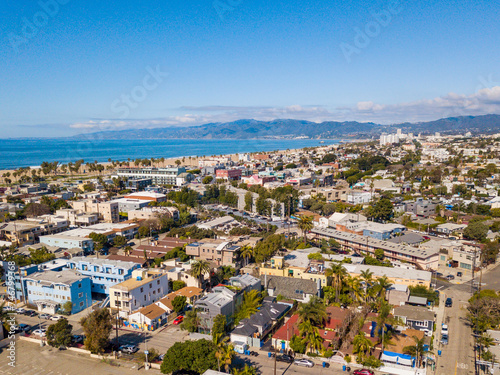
[68,241]
[300,290]
[220,301]
[400,276]
[415,317]
[160,176]
[107,211]
[423,258]
[147,213]
[228,174]
[221,252]
[142,289]
[147,318]
[104,273]
[253,330]
[421,207]
[149,196]
[51,290]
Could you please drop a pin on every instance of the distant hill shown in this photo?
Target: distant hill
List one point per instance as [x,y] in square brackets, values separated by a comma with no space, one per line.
[252,129]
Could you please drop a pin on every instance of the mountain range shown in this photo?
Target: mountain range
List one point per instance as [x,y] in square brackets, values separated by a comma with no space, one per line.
[287,128]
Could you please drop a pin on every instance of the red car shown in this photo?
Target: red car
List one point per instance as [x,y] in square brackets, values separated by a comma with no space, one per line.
[363,371]
[178,320]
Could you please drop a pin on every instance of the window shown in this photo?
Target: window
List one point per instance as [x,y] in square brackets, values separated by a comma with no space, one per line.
[150,285]
[81,304]
[157,282]
[79,285]
[80,295]
[142,290]
[144,297]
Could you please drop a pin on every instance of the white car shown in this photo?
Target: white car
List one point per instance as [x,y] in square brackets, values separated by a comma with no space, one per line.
[303,362]
[130,349]
[56,317]
[444,329]
[40,332]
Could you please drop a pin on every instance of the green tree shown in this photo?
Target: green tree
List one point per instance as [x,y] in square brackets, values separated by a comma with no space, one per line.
[59,334]
[67,307]
[338,273]
[247,370]
[252,300]
[97,327]
[305,224]
[361,346]
[310,336]
[476,231]
[207,180]
[313,311]
[246,253]
[297,344]
[382,210]
[198,269]
[190,356]
[179,303]
[119,241]
[191,321]
[248,201]
[219,326]
[416,350]
[178,284]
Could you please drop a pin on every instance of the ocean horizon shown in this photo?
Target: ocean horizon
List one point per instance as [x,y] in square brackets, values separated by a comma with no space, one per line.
[17,153]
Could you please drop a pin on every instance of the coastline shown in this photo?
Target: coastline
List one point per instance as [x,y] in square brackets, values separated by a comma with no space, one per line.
[192,160]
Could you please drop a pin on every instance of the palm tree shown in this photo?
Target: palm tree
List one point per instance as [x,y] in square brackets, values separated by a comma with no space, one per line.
[337,272]
[361,345]
[310,336]
[305,224]
[354,286]
[246,253]
[415,350]
[224,355]
[198,269]
[251,303]
[367,277]
[313,311]
[385,318]
[382,285]
[247,370]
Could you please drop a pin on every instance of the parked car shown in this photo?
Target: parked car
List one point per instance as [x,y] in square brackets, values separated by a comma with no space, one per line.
[44,316]
[40,332]
[56,317]
[450,277]
[459,274]
[284,358]
[130,349]
[77,339]
[444,339]
[22,328]
[363,371]
[21,311]
[444,329]
[449,302]
[303,362]
[31,313]
[178,320]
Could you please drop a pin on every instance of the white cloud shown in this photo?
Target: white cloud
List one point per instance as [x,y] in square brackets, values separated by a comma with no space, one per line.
[484,101]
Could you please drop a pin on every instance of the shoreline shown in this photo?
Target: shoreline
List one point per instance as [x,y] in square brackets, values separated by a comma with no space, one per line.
[188,160]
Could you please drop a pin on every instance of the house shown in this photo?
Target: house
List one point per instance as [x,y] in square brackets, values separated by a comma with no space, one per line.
[395,275]
[50,290]
[415,317]
[253,330]
[107,211]
[221,252]
[291,288]
[142,289]
[398,294]
[192,294]
[104,273]
[245,283]
[220,301]
[148,318]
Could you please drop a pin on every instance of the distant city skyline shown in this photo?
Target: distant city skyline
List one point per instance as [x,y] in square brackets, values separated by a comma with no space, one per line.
[68,69]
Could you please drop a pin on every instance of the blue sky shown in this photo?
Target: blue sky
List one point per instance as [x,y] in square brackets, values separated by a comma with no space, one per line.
[90,66]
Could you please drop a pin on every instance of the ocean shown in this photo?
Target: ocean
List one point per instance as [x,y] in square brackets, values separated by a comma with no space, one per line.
[16,153]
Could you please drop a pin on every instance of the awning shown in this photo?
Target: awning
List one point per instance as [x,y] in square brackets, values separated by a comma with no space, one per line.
[401,359]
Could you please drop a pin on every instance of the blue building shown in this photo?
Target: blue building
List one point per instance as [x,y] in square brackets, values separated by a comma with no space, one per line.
[50,290]
[21,272]
[103,272]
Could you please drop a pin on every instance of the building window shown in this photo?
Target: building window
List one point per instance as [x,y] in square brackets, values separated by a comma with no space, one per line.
[158,282]
[81,304]
[80,295]
[142,290]
[80,285]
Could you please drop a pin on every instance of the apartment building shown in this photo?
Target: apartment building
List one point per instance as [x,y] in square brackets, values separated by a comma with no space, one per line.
[147,213]
[107,211]
[50,290]
[142,289]
[160,176]
[104,273]
[221,252]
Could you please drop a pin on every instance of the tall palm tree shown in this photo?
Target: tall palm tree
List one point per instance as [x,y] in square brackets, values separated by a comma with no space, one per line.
[361,345]
[198,269]
[367,277]
[305,224]
[354,286]
[246,253]
[415,350]
[383,320]
[338,273]
[313,311]
[224,352]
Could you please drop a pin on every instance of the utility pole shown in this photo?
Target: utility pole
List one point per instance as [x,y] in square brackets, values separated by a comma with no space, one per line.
[275,356]
[117,317]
